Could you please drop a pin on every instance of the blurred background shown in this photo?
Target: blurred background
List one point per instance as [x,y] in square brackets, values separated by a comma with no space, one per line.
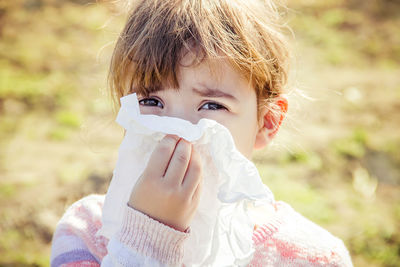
[336,160]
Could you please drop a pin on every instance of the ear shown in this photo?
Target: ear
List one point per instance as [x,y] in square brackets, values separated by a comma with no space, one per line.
[271,118]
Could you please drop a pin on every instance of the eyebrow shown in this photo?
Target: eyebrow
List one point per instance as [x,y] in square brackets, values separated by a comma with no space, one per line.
[208,92]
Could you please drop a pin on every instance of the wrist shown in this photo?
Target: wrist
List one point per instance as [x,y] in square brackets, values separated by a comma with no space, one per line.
[169,222]
[152,238]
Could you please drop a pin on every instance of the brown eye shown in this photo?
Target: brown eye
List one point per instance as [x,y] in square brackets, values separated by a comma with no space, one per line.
[212,106]
[151,102]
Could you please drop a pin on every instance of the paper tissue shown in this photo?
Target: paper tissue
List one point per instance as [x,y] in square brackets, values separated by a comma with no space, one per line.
[221,230]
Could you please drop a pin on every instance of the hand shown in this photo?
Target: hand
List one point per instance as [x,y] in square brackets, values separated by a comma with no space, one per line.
[169,188]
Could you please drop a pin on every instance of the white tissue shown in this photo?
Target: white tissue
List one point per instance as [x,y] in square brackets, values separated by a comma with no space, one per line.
[221,230]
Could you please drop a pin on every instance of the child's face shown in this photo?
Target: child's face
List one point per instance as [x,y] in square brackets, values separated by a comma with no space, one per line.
[229,100]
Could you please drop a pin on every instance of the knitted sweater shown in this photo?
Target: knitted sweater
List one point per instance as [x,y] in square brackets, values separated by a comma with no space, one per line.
[282,237]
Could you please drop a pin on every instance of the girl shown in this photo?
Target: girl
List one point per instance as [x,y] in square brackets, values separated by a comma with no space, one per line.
[224,60]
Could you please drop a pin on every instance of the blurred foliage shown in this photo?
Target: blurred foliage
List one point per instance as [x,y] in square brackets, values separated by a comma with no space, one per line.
[350,31]
[49,78]
[353,146]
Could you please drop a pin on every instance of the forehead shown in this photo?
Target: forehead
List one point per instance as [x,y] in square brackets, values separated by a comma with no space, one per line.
[214,74]
[194,68]
[214,70]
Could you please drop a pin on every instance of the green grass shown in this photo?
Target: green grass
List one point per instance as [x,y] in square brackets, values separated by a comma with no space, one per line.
[348,36]
[68,119]
[7,190]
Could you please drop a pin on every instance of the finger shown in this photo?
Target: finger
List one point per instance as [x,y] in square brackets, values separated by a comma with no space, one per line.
[197,192]
[193,175]
[179,162]
[161,156]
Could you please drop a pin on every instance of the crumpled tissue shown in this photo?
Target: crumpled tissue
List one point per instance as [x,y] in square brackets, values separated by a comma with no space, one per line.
[221,230]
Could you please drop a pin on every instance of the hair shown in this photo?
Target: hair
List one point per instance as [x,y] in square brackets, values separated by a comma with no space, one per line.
[158,33]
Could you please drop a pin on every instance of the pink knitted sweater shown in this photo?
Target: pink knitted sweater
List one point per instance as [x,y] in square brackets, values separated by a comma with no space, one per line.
[282,238]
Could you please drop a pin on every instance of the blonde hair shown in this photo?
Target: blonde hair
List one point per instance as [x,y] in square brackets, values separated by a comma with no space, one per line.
[158,33]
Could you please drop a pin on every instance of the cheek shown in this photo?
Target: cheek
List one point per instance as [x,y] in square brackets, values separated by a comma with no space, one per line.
[244,135]
[150,110]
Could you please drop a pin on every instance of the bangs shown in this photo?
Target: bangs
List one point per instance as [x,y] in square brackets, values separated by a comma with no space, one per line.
[159,33]
[155,66]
